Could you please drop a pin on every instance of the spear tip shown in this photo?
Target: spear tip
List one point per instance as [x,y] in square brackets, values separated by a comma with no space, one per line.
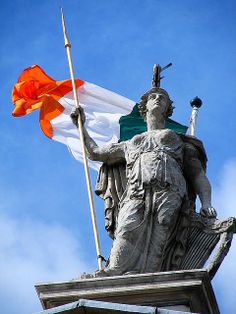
[67,42]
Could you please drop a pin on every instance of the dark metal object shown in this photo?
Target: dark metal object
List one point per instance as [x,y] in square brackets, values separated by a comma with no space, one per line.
[196,102]
[156,78]
[102,257]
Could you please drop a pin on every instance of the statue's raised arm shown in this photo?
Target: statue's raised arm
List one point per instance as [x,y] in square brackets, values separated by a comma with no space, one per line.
[108,154]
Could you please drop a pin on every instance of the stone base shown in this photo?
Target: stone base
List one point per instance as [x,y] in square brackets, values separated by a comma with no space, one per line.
[188,291]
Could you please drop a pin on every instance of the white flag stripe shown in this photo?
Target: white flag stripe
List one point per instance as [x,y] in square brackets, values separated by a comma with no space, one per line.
[103,110]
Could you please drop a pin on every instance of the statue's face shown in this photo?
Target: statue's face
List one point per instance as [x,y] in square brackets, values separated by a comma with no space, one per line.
[157,104]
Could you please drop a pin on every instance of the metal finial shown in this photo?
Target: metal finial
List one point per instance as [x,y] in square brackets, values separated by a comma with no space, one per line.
[196,102]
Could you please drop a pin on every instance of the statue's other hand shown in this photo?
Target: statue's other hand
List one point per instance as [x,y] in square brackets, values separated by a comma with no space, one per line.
[209,212]
[75,114]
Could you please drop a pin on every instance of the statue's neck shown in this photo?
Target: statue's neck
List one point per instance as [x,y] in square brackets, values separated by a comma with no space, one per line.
[154,123]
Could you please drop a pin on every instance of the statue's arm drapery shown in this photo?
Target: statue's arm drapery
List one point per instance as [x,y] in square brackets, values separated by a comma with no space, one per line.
[110,187]
[195,172]
[109,154]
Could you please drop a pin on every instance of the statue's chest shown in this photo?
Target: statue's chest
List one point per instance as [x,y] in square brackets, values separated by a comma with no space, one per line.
[156,157]
[158,140]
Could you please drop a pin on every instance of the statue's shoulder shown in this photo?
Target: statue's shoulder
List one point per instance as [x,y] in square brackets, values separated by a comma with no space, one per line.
[194,146]
[192,141]
[138,138]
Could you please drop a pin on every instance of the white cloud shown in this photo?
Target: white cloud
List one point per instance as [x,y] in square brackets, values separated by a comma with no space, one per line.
[32,252]
[224,198]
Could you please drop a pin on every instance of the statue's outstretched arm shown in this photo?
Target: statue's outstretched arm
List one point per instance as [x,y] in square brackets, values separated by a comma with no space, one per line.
[196,176]
[107,154]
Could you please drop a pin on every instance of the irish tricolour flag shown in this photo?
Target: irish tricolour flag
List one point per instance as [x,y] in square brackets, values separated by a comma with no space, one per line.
[109,117]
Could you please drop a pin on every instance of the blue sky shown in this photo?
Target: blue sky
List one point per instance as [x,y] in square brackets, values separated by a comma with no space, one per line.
[46,234]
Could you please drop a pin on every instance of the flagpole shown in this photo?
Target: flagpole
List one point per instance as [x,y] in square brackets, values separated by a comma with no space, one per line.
[195,103]
[81,135]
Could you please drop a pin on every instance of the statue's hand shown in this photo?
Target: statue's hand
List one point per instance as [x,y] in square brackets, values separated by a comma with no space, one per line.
[75,114]
[209,212]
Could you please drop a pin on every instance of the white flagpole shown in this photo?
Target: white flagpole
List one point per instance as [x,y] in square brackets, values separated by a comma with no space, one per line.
[81,135]
[195,104]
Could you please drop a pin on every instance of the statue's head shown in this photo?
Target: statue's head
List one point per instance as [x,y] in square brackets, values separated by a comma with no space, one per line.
[150,95]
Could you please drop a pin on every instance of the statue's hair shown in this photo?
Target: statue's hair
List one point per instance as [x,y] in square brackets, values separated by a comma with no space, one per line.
[143,103]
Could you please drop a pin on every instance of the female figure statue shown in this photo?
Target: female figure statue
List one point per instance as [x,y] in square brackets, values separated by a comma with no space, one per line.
[164,171]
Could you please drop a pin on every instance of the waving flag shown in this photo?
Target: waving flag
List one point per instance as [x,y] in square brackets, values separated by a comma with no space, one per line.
[109,116]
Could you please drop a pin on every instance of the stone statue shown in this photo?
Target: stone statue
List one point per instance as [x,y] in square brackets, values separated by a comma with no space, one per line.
[149,185]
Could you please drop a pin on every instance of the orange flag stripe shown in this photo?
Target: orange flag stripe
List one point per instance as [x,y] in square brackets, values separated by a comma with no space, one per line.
[34,86]
[35,89]
[50,109]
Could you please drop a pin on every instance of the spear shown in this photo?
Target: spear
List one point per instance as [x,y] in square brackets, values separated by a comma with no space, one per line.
[81,135]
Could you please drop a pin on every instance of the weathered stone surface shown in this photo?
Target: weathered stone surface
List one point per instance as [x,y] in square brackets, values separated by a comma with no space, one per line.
[181,290]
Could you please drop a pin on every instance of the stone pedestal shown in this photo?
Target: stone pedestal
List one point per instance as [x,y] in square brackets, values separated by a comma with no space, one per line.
[188,291]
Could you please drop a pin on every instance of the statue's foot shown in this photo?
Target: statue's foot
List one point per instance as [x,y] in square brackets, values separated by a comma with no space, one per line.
[100,273]
[107,272]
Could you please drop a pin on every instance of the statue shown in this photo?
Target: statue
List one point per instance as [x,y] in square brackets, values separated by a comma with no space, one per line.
[149,185]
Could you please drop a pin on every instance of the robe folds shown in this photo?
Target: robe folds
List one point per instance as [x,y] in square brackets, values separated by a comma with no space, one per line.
[146,201]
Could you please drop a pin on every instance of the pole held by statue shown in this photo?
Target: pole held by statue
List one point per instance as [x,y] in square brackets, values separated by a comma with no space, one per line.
[81,135]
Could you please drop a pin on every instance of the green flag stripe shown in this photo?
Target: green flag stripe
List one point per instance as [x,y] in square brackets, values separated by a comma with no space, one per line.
[133,124]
